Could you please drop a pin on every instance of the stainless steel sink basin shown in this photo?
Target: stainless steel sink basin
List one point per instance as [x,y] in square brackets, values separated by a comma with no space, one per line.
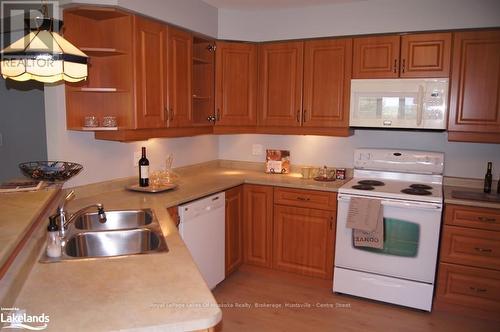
[114,243]
[125,232]
[115,220]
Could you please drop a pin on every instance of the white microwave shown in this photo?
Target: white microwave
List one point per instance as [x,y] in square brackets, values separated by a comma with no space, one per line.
[399,103]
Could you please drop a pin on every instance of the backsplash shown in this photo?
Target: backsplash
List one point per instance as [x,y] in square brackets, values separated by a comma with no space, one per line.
[461,159]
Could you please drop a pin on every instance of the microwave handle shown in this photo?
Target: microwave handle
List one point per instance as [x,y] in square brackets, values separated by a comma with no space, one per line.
[420,104]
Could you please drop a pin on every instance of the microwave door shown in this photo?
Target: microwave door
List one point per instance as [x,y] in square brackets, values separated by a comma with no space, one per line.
[388,109]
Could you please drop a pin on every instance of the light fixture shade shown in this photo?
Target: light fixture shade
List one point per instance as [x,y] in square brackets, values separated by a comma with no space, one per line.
[44,56]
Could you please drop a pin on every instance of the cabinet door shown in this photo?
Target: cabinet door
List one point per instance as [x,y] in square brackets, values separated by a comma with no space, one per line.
[475,85]
[327,80]
[376,57]
[425,55]
[151,73]
[303,241]
[179,78]
[280,84]
[258,225]
[234,232]
[236,84]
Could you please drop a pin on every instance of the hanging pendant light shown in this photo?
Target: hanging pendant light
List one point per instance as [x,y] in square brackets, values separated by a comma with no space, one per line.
[45,56]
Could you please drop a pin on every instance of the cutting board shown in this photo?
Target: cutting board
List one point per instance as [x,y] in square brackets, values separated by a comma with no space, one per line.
[475,196]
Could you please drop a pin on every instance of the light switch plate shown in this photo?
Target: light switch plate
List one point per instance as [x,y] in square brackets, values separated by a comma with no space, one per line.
[257,149]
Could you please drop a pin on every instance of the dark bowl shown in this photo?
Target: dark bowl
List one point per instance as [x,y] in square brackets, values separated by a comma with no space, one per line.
[54,171]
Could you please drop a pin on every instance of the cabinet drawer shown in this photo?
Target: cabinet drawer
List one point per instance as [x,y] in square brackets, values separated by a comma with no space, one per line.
[471,247]
[471,287]
[306,198]
[475,217]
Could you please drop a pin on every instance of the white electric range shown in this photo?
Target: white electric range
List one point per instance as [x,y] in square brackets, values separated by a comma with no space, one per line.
[409,186]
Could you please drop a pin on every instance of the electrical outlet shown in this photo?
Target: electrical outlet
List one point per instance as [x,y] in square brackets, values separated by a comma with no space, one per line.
[137,156]
[257,149]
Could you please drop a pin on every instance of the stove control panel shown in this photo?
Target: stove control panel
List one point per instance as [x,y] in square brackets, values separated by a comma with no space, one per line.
[411,161]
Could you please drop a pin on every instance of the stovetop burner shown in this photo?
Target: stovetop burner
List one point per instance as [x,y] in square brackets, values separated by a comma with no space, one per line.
[362,187]
[371,183]
[416,191]
[420,186]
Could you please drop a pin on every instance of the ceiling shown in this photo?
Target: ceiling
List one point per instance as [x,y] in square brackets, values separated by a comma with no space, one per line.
[271,4]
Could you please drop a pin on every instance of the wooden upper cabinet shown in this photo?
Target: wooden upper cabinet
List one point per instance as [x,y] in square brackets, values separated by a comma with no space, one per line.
[179,78]
[234,229]
[425,55]
[327,77]
[280,83]
[236,84]
[407,56]
[376,57]
[151,73]
[475,87]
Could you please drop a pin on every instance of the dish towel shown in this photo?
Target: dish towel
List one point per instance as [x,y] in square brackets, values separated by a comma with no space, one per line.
[366,218]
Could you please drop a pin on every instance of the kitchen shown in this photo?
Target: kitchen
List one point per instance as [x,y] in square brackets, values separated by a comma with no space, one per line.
[106,160]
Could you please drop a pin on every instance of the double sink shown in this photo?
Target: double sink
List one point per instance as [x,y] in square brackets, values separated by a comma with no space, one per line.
[125,232]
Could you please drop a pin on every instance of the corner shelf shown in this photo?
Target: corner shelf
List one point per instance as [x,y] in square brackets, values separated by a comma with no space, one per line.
[101,51]
[200,61]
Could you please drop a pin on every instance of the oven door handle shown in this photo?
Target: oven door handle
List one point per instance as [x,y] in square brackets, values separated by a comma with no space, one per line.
[392,203]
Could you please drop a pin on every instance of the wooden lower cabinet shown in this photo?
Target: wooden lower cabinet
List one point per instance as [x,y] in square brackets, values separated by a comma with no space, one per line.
[303,240]
[469,265]
[234,229]
[258,225]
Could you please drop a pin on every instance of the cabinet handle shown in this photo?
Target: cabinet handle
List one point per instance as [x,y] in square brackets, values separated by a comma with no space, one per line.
[217,115]
[211,48]
[171,114]
[211,118]
[395,66]
[304,116]
[403,66]
[483,249]
[298,116]
[304,199]
[486,219]
[478,290]
[331,222]
[166,114]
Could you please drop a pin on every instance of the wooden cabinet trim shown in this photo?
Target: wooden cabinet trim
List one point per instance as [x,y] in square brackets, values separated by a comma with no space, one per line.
[234,231]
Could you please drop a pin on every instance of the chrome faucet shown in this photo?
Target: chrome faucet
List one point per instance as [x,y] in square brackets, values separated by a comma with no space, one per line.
[64,222]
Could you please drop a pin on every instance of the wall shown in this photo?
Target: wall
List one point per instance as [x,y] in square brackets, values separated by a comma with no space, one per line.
[461,159]
[22,126]
[105,160]
[195,15]
[363,17]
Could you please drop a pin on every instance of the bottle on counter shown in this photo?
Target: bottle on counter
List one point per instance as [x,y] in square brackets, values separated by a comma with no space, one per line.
[498,186]
[143,169]
[53,240]
[488,178]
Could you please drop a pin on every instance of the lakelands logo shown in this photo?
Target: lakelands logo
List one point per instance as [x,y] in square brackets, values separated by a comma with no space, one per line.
[15,318]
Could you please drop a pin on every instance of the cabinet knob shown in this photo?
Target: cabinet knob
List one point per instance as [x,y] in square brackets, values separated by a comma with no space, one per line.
[486,219]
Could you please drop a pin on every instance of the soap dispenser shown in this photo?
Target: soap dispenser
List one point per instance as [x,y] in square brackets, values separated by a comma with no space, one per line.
[53,240]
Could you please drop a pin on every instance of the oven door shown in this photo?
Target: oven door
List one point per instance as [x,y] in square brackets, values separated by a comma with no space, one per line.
[411,238]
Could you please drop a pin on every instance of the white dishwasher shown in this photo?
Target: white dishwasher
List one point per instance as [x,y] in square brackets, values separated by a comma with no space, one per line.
[202,227]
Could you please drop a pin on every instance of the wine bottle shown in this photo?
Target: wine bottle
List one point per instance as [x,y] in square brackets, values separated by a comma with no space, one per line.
[143,169]
[488,178]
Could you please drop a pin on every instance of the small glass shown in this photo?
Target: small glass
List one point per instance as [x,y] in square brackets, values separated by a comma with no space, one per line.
[91,121]
[109,121]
